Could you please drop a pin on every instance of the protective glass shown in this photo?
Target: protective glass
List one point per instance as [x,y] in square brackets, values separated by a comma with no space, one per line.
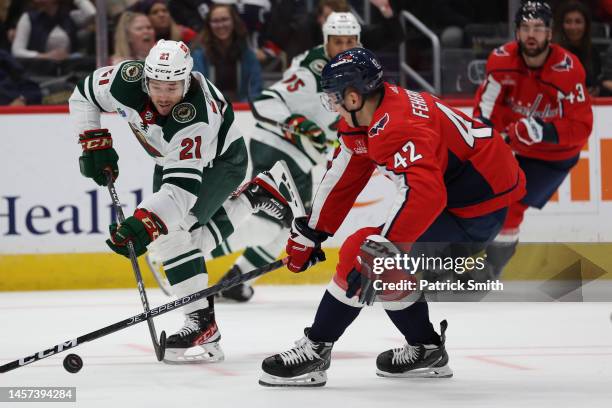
[331,101]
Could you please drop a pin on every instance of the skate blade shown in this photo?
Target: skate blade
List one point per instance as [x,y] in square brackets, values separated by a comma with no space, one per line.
[314,379]
[212,353]
[428,372]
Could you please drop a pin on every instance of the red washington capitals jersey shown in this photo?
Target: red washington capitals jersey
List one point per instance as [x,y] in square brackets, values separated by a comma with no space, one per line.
[437,157]
[555,93]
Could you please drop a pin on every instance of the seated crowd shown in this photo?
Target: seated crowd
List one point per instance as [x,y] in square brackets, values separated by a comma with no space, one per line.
[47,45]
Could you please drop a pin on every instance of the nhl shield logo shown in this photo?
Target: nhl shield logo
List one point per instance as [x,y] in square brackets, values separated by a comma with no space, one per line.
[184,112]
[379,125]
[131,71]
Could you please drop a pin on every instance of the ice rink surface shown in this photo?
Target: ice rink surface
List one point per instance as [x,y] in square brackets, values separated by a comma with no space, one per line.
[503,354]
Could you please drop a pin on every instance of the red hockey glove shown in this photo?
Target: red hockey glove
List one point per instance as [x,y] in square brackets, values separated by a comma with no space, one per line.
[304,246]
[142,228]
[529,131]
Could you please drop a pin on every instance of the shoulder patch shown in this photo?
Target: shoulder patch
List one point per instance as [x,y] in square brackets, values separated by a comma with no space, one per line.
[132,71]
[317,65]
[379,125]
[184,112]
[565,65]
[501,51]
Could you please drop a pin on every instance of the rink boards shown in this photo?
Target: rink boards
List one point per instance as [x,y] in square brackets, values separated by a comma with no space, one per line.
[53,221]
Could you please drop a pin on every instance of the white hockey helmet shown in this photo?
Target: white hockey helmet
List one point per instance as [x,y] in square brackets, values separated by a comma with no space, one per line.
[168,61]
[344,23]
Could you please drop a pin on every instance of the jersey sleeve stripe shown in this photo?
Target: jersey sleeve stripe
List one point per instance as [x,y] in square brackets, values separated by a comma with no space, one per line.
[81,87]
[489,96]
[196,177]
[401,201]
[90,91]
[183,170]
[228,120]
[190,186]
[275,94]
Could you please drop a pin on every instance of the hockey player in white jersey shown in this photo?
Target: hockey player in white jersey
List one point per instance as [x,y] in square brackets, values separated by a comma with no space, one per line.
[294,102]
[187,127]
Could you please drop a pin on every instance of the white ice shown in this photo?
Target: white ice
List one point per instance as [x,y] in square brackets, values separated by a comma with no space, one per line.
[503,354]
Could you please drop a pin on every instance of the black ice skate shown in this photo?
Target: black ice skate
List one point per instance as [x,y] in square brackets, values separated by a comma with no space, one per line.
[416,361]
[240,293]
[197,341]
[264,195]
[302,366]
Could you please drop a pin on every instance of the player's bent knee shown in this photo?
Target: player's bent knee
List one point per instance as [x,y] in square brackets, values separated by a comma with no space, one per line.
[340,294]
[172,244]
[349,251]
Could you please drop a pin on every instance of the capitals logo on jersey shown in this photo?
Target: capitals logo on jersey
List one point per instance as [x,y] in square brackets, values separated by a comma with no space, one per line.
[379,125]
[501,51]
[564,65]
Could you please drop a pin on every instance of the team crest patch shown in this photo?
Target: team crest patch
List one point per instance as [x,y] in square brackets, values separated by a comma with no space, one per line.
[131,71]
[184,112]
[564,65]
[317,65]
[379,126]
[500,51]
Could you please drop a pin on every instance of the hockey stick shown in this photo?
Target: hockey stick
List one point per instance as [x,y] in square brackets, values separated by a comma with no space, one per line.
[139,318]
[160,348]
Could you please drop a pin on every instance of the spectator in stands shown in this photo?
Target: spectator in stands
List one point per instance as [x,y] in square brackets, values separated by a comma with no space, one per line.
[134,37]
[190,13]
[50,30]
[163,24]
[572,30]
[294,31]
[224,56]
[10,11]
[15,88]
[606,80]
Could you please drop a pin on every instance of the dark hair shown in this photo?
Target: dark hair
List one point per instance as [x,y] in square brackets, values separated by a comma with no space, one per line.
[584,49]
[335,5]
[213,49]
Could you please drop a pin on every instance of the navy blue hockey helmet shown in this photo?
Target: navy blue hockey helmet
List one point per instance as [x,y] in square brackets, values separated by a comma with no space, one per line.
[358,68]
[533,10]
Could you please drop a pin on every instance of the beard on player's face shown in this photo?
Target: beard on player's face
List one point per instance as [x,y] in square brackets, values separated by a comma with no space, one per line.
[534,51]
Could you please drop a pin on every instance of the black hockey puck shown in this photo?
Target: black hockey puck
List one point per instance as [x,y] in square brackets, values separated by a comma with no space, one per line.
[73,363]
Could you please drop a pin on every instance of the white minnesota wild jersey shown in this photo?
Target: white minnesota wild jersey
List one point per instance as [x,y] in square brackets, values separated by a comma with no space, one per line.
[299,92]
[198,129]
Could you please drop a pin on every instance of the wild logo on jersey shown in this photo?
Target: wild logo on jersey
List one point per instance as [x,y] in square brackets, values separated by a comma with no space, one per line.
[184,112]
[132,71]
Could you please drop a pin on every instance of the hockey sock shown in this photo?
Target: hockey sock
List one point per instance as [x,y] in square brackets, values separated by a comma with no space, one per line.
[413,322]
[188,277]
[516,212]
[332,318]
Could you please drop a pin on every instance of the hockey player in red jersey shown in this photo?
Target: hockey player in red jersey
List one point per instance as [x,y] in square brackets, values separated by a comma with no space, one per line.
[535,93]
[455,179]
